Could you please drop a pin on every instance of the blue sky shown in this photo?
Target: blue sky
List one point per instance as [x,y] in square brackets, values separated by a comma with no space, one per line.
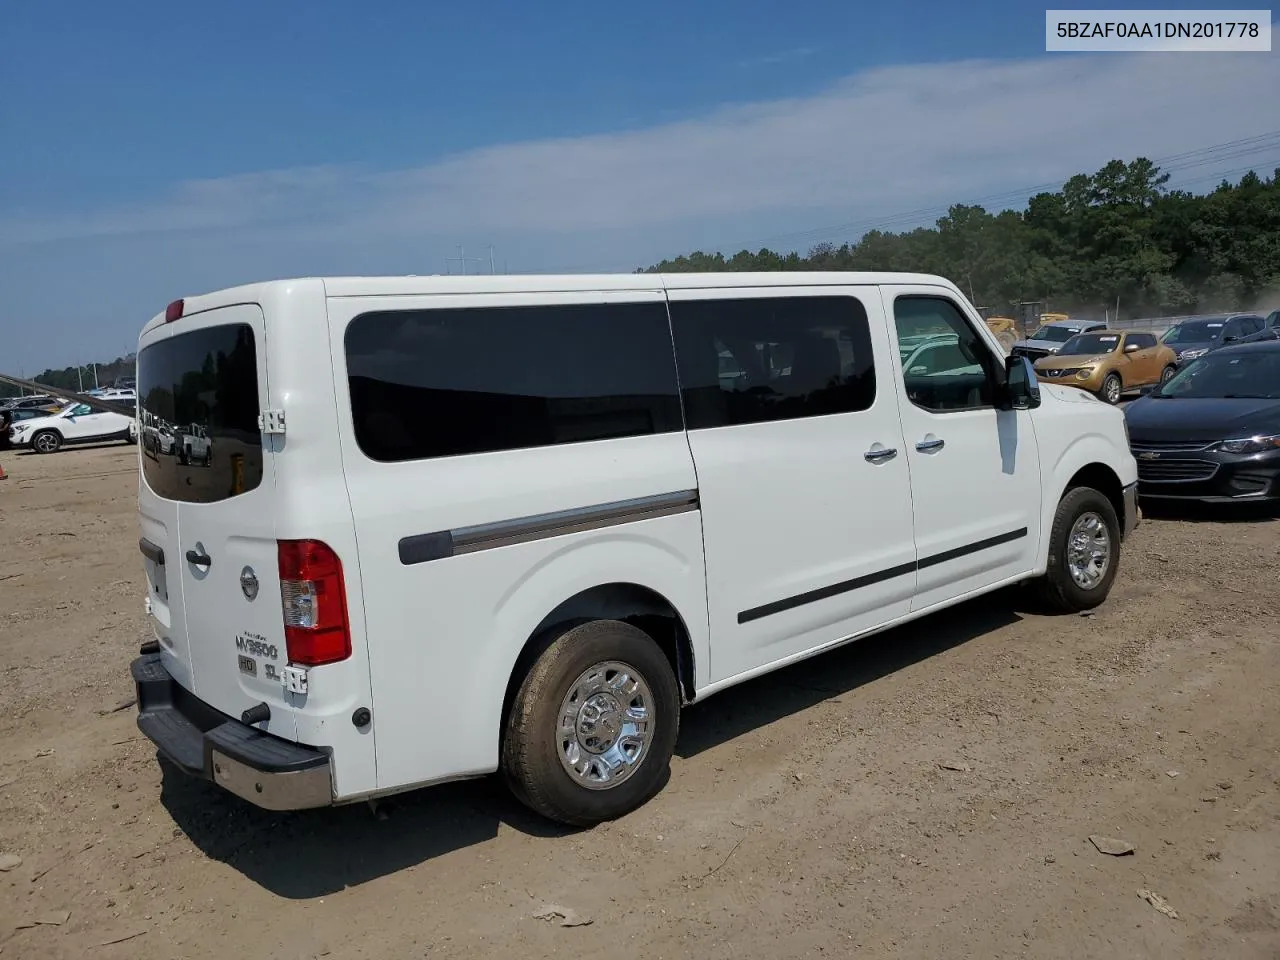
[153,150]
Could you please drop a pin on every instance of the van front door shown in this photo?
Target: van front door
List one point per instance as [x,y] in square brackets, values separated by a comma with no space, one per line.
[975,470]
[793,424]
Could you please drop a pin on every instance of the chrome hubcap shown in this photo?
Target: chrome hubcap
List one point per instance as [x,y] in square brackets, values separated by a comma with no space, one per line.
[1166,375]
[1113,391]
[45,443]
[604,727]
[1088,551]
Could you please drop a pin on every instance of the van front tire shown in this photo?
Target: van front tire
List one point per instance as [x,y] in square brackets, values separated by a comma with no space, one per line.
[591,730]
[1084,552]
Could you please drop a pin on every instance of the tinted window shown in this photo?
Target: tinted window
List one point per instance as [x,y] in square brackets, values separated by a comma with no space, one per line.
[959,377]
[754,360]
[1054,334]
[1195,331]
[1251,372]
[207,378]
[1143,341]
[439,383]
[1091,343]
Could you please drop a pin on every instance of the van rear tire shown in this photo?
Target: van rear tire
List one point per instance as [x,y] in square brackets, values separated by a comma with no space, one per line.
[599,704]
[1084,526]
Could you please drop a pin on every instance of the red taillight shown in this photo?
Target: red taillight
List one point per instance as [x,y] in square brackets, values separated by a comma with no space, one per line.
[174,311]
[313,598]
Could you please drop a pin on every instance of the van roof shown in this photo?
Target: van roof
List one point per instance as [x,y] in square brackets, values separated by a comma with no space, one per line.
[545,283]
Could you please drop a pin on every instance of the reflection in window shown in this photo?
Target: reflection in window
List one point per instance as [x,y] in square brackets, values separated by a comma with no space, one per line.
[198,402]
[946,365]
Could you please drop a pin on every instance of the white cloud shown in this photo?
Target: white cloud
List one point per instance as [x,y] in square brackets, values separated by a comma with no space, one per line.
[891,139]
[870,148]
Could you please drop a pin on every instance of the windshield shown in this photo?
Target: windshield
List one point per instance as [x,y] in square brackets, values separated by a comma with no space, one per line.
[1195,331]
[1219,375]
[1054,334]
[1091,343]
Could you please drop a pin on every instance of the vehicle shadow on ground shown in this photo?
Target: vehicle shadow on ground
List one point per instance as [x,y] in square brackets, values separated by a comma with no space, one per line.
[315,853]
[1193,512]
[759,702]
[71,448]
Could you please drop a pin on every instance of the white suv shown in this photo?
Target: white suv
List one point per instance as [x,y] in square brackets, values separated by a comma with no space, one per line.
[459,525]
[75,423]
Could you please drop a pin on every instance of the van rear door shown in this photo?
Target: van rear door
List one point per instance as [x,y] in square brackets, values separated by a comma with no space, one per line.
[208,521]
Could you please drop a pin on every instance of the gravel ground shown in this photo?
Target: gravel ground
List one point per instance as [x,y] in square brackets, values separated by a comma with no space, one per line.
[930,792]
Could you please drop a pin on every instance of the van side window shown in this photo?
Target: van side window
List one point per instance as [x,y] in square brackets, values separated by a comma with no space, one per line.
[753,360]
[448,382]
[946,365]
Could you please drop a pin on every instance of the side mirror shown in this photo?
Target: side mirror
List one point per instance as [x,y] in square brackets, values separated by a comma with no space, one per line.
[1230,339]
[1021,389]
[1131,348]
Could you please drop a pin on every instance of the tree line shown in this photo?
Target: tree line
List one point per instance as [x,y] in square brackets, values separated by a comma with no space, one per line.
[71,378]
[1119,234]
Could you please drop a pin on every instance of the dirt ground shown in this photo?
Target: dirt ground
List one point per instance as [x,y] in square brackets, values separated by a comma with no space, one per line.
[927,793]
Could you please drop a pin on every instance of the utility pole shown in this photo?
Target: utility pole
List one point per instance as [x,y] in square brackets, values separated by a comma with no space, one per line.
[463,259]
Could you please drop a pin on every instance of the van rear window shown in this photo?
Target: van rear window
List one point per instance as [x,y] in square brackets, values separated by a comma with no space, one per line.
[448,382]
[198,414]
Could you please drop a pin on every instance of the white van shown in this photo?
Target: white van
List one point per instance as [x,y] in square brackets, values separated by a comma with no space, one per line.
[453,525]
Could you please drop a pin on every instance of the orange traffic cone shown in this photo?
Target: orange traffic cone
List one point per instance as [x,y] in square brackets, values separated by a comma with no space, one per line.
[3,475]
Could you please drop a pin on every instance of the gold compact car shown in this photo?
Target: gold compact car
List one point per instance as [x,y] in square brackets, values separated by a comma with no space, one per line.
[1109,363]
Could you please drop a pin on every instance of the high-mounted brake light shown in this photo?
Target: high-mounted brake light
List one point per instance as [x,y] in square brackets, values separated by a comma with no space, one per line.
[313,599]
[174,311]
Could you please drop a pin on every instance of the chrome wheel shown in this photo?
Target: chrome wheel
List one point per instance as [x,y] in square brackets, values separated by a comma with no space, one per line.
[1111,389]
[1166,375]
[46,443]
[604,725]
[1088,550]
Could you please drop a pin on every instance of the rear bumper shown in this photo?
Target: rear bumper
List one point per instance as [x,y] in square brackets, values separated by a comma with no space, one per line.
[268,772]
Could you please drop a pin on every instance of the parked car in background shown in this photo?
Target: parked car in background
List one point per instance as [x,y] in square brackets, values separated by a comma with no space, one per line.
[119,396]
[74,424]
[1194,338]
[1266,333]
[1212,432]
[37,402]
[1109,363]
[1273,320]
[1050,337]
[9,417]
[194,445]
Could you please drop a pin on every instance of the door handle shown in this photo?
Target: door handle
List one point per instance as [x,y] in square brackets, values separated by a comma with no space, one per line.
[199,559]
[880,456]
[928,446]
